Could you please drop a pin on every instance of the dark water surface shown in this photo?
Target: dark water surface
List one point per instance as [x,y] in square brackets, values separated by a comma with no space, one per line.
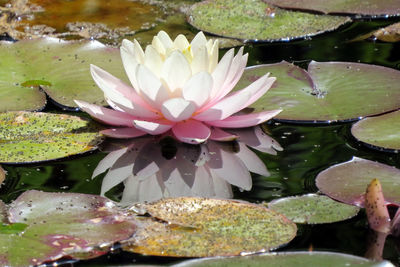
[307,151]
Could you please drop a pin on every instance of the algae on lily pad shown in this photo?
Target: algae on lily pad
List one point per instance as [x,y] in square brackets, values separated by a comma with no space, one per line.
[59,67]
[33,136]
[48,226]
[381,132]
[347,181]
[288,259]
[356,7]
[327,91]
[257,21]
[198,227]
[313,209]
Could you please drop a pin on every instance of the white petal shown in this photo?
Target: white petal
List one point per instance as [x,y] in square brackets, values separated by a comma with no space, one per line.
[200,60]
[251,160]
[151,87]
[213,52]
[158,45]
[165,39]
[176,71]
[221,71]
[152,128]
[198,41]
[108,161]
[181,42]
[153,60]
[197,89]
[177,109]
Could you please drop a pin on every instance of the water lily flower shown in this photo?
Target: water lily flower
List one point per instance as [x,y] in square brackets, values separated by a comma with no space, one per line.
[179,87]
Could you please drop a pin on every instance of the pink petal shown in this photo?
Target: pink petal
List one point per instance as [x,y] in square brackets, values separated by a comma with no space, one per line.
[197,89]
[248,120]
[191,131]
[120,93]
[153,128]
[219,135]
[237,101]
[129,132]
[177,109]
[106,115]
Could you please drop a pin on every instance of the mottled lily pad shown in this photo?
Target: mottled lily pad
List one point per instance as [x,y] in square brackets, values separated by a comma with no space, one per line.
[289,259]
[328,91]
[2,178]
[358,7]
[100,19]
[59,67]
[381,132]
[35,136]
[347,181]
[198,227]
[257,21]
[313,209]
[48,226]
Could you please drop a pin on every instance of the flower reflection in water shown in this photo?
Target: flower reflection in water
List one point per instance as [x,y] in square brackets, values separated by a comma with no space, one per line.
[152,168]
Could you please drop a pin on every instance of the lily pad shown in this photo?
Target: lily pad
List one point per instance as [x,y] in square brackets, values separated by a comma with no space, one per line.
[198,227]
[59,67]
[328,91]
[347,181]
[381,132]
[35,136]
[257,21]
[313,209]
[358,7]
[2,178]
[48,226]
[390,33]
[101,19]
[289,259]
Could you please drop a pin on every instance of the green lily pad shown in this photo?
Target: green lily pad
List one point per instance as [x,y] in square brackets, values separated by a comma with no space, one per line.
[359,7]
[289,259]
[313,209]
[381,132]
[347,181]
[257,21]
[35,136]
[48,226]
[59,67]
[328,91]
[198,227]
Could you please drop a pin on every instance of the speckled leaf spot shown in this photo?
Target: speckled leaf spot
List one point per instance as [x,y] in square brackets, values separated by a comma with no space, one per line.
[34,136]
[199,227]
[372,8]
[313,209]
[327,91]
[47,226]
[59,67]
[288,259]
[254,20]
[347,181]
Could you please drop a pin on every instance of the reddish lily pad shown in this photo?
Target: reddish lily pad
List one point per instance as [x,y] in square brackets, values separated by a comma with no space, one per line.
[328,91]
[49,226]
[381,132]
[198,227]
[347,181]
[313,209]
[288,259]
[59,67]
[35,136]
[257,21]
[358,7]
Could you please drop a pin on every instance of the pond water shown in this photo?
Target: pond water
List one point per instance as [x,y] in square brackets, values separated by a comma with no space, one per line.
[308,149]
